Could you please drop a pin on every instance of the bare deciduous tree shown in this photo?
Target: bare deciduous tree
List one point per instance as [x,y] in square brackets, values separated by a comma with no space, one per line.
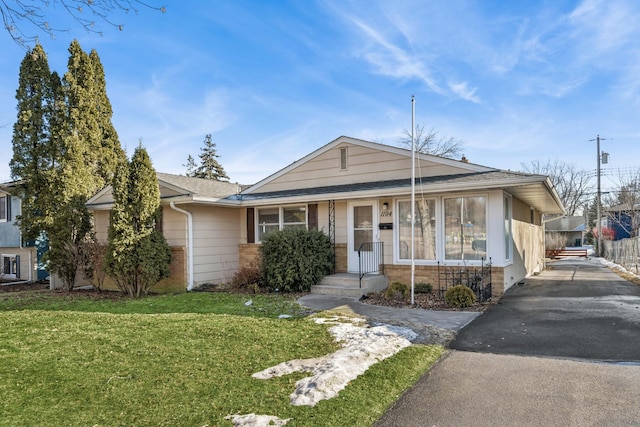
[572,184]
[17,15]
[431,142]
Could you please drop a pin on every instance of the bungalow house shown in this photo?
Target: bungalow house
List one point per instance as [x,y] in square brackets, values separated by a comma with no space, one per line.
[621,220]
[359,193]
[19,261]
[571,228]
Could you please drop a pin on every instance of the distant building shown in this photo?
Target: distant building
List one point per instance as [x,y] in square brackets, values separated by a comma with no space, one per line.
[572,227]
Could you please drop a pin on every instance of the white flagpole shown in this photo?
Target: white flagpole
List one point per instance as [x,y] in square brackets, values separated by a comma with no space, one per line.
[413,196]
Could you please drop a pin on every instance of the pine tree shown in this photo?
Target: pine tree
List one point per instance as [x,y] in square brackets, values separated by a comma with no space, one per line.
[34,150]
[209,167]
[138,256]
[110,150]
[190,166]
[65,149]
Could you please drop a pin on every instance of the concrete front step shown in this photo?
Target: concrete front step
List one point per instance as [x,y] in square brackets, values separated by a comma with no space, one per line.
[348,284]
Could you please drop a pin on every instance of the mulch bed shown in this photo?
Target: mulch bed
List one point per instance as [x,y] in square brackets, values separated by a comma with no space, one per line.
[43,287]
[425,301]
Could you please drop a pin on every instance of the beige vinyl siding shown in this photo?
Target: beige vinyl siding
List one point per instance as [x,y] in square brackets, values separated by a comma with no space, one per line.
[215,243]
[364,164]
[101,225]
[174,226]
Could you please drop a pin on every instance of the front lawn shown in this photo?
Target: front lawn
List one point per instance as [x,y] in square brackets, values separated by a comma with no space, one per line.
[174,360]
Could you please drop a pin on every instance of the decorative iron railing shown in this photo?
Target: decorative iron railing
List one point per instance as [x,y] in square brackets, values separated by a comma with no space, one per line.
[371,259]
[476,278]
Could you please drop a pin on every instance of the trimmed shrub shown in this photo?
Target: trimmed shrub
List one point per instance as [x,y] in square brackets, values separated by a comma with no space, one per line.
[397,291]
[294,259]
[423,288]
[460,296]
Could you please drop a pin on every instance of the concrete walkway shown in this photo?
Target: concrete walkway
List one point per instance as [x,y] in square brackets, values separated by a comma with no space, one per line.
[451,320]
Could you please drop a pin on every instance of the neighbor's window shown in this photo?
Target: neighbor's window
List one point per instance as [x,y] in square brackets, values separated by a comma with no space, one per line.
[3,208]
[424,230]
[273,219]
[465,228]
[10,265]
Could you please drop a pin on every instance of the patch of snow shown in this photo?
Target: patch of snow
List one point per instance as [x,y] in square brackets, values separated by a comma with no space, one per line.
[362,346]
[253,420]
[615,267]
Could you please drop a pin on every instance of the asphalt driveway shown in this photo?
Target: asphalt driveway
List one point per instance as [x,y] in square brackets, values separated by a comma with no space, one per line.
[576,309]
[536,359]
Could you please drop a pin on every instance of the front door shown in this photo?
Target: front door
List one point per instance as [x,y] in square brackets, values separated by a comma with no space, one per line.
[363,227]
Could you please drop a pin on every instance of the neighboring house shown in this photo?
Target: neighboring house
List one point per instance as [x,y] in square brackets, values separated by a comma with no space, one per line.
[619,220]
[18,261]
[358,192]
[571,227]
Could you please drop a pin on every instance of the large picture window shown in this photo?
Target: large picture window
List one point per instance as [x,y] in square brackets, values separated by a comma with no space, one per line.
[273,219]
[424,229]
[465,228]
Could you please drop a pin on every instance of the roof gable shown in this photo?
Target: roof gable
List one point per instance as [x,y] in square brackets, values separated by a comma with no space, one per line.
[365,162]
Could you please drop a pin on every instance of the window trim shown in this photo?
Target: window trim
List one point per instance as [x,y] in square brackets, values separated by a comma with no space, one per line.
[487,202]
[14,261]
[396,237]
[440,236]
[344,156]
[281,223]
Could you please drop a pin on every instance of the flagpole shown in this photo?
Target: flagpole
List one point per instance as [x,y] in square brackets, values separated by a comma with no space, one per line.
[413,196]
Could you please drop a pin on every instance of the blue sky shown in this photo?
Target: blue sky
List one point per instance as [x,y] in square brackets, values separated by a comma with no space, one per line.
[274,80]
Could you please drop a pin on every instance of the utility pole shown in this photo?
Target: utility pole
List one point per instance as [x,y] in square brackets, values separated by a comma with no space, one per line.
[605,157]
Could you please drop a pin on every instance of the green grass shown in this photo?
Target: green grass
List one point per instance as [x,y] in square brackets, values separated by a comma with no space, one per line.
[182,360]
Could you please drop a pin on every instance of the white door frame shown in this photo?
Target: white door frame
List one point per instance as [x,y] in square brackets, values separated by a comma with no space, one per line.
[352,253]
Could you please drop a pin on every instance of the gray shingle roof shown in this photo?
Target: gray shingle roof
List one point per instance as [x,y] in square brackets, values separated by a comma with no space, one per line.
[472,177]
[200,187]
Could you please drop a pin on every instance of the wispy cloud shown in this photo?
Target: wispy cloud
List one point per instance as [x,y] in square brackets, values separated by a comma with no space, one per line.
[463,91]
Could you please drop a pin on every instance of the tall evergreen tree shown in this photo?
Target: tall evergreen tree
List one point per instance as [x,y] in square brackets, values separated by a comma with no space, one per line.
[209,167]
[138,256]
[65,150]
[191,165]
[34,148]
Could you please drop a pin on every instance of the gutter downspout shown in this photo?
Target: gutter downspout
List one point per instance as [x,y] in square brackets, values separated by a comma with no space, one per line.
[189,243]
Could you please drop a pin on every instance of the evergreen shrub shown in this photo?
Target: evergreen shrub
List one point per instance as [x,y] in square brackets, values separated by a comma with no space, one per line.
[294,259]
[460,296]
[397,291]
[423,288]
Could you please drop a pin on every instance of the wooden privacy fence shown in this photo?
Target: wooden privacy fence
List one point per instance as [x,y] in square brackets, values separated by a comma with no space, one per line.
[625,252]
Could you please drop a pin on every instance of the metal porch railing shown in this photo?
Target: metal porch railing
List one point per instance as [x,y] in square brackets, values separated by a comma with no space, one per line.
[371,259]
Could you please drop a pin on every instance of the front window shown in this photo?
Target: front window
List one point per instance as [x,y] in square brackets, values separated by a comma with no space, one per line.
[424,230]
[465,228]
[274,219]
[294,217]
[268,220]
